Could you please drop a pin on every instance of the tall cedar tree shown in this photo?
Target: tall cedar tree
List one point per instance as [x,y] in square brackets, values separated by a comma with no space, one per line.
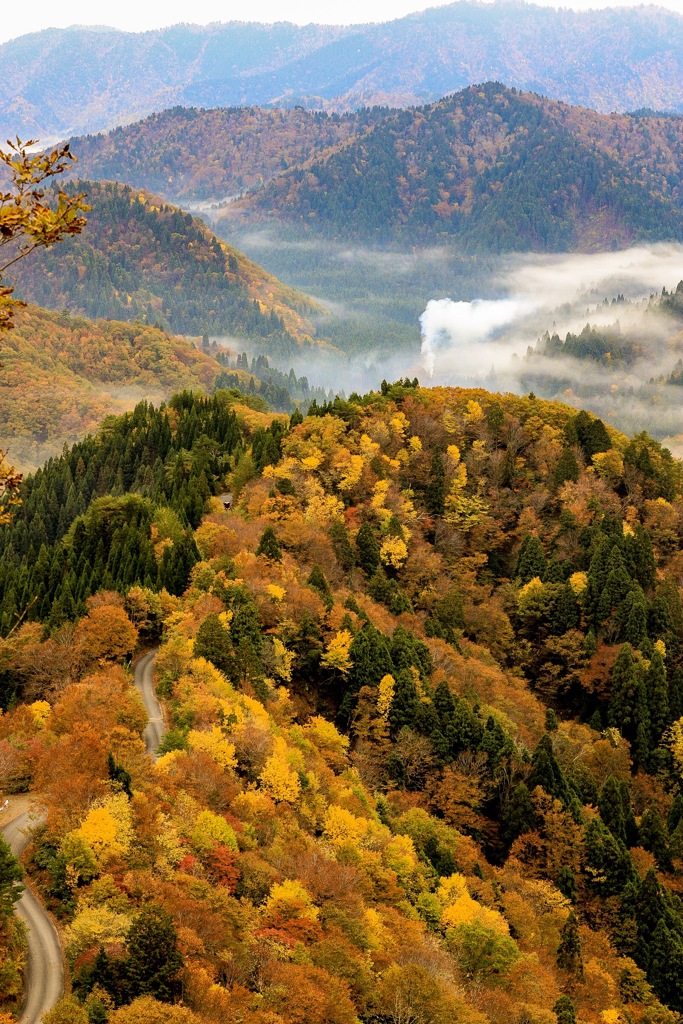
[154,960]
[368,549]
[569,956]
[268,545]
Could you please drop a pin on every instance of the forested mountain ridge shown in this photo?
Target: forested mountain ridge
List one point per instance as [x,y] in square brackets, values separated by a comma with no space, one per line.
[140,258]
[492,169]
[620,59]
[187,154]
[425,688]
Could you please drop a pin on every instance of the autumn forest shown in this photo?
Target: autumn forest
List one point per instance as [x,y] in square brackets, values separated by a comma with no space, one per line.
[423,686]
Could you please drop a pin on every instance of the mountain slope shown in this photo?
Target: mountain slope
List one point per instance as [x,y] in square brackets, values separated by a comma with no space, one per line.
[610,59]
[496,170]
[141,258]
[424,683]
[189,154]
[62,376]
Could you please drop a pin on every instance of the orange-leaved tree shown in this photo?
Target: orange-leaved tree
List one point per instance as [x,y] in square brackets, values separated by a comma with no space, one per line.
[28,221]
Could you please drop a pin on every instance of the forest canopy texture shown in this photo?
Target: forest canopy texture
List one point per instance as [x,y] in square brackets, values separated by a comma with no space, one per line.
[424,687]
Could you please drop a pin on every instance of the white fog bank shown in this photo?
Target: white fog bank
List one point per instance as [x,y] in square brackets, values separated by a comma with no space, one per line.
[557,293]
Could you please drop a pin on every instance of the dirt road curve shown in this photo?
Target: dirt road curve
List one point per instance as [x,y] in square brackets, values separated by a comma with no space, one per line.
[144,681]
[45,975]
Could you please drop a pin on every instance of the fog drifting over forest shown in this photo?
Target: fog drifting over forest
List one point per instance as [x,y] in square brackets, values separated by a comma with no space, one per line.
[460,320]
[487,340]
[556,293]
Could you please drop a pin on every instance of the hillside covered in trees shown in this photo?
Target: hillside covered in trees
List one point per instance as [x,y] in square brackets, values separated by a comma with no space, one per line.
[491,169]
[63,375]
[424,685]
[139,258]
[189,154]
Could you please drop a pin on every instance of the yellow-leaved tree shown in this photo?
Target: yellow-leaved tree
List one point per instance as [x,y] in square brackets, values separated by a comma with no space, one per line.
[108,829]
[337,654]
[278,777]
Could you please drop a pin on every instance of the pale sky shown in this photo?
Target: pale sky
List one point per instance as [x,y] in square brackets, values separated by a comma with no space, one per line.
[134,16]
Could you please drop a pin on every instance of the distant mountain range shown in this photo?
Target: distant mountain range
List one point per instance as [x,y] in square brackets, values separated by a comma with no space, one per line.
[58,83]
[142,259]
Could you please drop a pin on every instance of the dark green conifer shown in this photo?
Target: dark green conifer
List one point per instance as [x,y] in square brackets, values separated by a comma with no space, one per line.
[318,581]
[628,710]
[665,972]
[611,808]
[564,1011]
[657,697]
[676,693]
[268,545]
[639,557]
[676,841]
[435,494]
[617,584]
[154,960]
[566,613]
[405,703]
[495,743]
[341,545]
[608,859]
[633,614]
[370,658]
[495,417]
[520,815]
[569,956]
[676,812]
[566,468]
[546,772]
[566,883]
[213,643]
[443,700]
[531,561]
[655,838]
[407,650]
[308,646]
[591,434]
[368,549]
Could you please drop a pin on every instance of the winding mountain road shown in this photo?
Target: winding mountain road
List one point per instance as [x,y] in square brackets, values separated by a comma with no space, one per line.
[45,970]
[144,682]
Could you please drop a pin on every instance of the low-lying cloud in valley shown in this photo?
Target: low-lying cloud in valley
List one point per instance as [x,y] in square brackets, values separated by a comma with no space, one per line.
[451,318]
[485,339]
[560,293]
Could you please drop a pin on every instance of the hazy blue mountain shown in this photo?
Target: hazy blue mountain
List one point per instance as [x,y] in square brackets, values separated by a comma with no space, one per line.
[61,82]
